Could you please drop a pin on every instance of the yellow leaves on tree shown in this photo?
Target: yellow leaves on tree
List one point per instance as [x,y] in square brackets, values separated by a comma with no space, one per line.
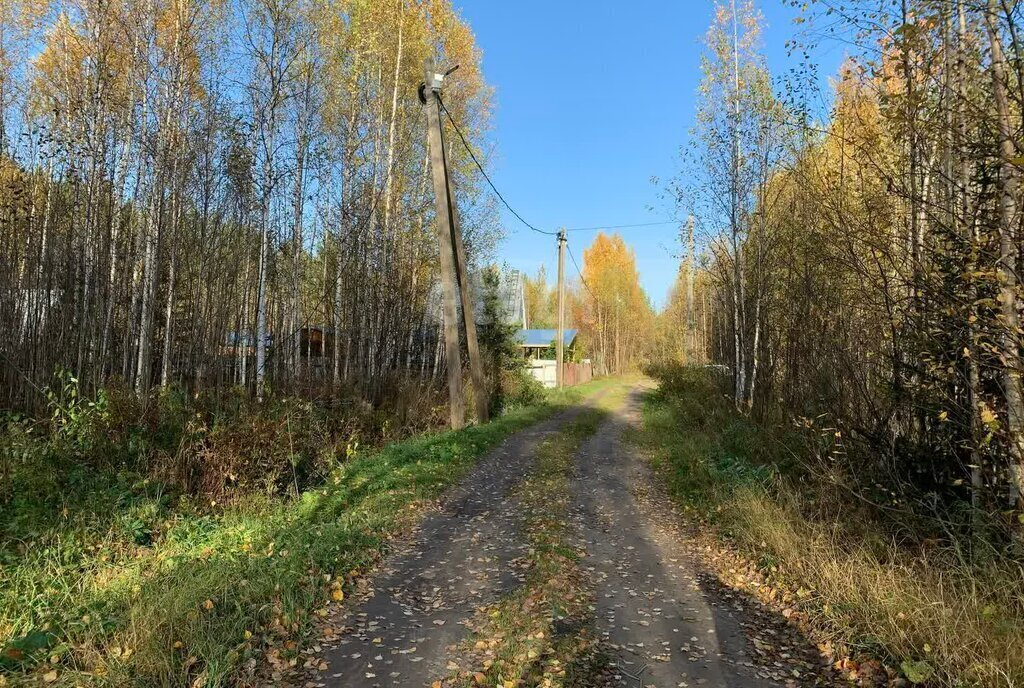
[541,301]
[18,20]
[616,320]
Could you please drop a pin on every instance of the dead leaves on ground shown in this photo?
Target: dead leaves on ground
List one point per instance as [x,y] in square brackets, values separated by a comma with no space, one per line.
[797,605]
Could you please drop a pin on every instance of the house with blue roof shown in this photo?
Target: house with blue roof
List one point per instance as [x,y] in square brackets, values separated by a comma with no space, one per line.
[535,343]
[538,348]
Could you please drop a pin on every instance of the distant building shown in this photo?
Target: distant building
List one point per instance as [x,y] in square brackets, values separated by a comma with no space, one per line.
[537,346]
[535,342]
[314,342]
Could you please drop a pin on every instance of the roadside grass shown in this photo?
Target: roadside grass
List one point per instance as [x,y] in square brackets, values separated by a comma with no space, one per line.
[542,633]
[127,586]
[940,617]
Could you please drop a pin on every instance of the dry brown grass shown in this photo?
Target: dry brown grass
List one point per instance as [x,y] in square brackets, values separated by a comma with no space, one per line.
[961,622]
[944,615]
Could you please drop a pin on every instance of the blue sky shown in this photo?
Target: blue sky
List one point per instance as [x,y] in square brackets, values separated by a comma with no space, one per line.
[592,99]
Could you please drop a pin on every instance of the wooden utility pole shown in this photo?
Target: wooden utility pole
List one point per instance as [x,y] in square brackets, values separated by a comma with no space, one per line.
[560,339]
[521,278]
[446,253]
[476,365]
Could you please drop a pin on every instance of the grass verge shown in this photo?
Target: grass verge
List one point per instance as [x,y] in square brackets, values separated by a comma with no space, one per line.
[197,597]
[929,615]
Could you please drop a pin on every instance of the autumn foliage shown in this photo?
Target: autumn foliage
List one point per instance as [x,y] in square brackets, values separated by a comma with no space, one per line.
[611,308]
[859,275]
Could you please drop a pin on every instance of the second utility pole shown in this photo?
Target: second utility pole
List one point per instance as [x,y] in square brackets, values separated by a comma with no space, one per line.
[560,340]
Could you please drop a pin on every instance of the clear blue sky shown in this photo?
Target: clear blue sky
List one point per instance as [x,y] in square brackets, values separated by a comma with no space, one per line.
[592,99]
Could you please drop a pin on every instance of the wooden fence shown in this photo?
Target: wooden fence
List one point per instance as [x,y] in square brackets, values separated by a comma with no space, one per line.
[544,371]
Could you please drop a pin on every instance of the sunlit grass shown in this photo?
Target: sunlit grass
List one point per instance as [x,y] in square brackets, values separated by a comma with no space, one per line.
[132,589]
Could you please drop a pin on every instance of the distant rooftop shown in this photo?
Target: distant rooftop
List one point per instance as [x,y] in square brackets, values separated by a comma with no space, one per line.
[543,338]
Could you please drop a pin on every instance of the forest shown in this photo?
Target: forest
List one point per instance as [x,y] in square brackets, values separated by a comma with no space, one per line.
[859,271]
[855,278]
[219,284]
[215,195]
[223,354]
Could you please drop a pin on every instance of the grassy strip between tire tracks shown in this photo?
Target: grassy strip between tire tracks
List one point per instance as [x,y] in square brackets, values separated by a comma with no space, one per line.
[542,633]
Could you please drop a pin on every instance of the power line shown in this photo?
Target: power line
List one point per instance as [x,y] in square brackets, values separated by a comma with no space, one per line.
[580,272]
[610,226]
[512,210]
[484,173]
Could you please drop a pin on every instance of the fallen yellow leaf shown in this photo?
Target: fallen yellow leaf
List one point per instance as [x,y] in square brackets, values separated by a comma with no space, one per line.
[337,594]
[50,677]
[208,604]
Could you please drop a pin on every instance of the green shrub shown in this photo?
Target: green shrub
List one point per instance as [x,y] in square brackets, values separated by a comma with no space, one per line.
[520,388]
[119,579]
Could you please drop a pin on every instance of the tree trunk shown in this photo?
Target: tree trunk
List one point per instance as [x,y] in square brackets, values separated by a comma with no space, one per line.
[298,205]
[1007,266]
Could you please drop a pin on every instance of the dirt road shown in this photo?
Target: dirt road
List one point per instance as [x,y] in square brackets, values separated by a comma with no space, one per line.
[658,624]
[658,620]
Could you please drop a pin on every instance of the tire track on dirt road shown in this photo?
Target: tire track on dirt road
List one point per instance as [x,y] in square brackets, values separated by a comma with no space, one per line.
[658,622]
[463,555]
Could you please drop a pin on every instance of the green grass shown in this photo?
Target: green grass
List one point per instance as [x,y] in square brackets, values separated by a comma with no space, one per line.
[701,446]
[115,582]
[940,618]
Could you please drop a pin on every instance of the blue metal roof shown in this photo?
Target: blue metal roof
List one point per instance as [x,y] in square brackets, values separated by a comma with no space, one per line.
[544,337]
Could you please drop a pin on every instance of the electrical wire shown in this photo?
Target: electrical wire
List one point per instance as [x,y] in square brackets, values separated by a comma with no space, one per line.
[512,210]
[484,173]
[580,272]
